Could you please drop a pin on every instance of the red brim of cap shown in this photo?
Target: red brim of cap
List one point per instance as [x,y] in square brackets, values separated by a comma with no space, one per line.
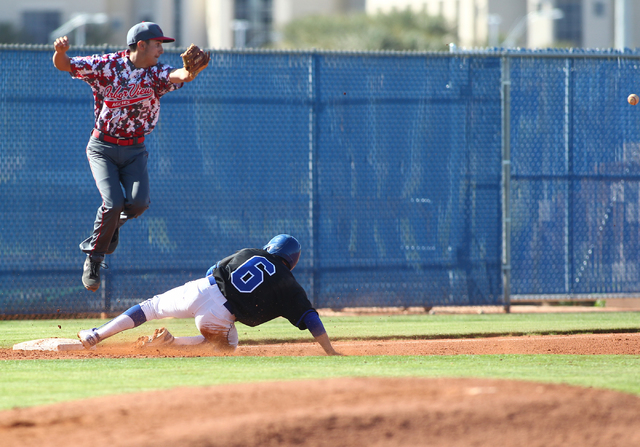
[164,39]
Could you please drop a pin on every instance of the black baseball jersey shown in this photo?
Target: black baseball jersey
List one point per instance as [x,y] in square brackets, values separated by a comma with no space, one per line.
[259,287]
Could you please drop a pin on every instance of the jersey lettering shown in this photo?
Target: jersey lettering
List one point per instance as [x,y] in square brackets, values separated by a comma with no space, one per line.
[249,276]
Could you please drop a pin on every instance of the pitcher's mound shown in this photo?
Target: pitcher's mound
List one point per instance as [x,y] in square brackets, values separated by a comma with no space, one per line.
[346,412]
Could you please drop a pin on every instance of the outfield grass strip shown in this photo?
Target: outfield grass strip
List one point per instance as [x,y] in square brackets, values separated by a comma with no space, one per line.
[38,382]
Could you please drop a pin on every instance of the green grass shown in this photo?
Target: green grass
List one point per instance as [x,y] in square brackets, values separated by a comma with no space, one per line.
[38,382]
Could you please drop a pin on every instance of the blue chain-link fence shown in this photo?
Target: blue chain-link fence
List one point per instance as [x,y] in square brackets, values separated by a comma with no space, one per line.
[575,158]
[386,166]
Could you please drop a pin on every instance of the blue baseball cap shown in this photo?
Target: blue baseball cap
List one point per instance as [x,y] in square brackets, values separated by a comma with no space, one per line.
[146,31]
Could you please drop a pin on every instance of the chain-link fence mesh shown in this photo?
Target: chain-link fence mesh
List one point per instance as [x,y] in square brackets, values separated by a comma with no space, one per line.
[386,167]
[575,175]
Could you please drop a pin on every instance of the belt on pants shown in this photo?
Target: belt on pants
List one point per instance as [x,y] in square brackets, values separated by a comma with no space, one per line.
[117,141]
[226,304]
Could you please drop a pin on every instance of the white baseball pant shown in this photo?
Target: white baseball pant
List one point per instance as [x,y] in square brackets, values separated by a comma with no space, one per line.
[202,301]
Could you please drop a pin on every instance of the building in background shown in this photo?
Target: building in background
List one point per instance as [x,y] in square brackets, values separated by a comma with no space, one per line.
[256,23]
[36,19]
[572,23]
[478,23]
[210,23]
[533,23]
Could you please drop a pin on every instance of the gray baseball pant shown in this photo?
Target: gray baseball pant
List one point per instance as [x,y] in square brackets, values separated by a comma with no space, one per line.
[121,175]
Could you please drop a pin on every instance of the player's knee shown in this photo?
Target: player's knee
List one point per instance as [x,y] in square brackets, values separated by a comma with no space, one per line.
[136,208]
[113,206]
[150,308]
[222,340]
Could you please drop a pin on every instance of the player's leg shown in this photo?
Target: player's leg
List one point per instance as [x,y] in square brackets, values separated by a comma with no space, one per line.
[134,176]
[220,332]
[115,239]
[216,323]
[127,320]
[212,318]
[105,173]
[180,302]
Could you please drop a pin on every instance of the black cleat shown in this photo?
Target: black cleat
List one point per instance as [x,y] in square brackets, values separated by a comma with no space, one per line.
[91,274]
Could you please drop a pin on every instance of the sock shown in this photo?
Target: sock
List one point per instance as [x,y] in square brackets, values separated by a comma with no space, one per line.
[133,317]
[188,341]
[118,324]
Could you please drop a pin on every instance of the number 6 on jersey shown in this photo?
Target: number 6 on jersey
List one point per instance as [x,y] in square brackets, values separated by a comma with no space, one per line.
[249,276]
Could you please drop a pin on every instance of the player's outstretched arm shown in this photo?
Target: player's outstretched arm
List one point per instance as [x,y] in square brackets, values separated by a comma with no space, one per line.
[194,60]
[324,341]
[180,75]
[314,324]
[60,58]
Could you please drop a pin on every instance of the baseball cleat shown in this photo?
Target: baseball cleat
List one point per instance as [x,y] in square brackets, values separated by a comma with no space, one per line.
[160,337]
[89,338]
[91,274]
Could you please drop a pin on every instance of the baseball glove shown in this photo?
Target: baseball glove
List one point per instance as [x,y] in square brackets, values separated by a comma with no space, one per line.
[195,60]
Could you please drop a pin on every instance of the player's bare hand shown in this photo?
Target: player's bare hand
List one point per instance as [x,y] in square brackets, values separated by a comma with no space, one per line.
[61,44]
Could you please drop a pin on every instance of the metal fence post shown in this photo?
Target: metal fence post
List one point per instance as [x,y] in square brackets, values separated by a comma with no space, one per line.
[313,182]
[506,182]
[568,148]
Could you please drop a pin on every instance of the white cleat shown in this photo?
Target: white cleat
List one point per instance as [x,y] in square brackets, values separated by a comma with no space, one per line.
[89,338]
[160,337]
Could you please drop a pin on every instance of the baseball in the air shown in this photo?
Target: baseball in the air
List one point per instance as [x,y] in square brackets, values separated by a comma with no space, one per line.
[633,99]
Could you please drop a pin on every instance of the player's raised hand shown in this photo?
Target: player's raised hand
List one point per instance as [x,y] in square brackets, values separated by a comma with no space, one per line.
[60,58]
[61,44]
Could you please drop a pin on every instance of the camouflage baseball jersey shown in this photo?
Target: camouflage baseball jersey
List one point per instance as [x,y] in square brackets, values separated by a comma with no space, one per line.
[126,98]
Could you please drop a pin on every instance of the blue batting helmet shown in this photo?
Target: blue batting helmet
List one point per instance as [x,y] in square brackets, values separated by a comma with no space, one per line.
[285,246]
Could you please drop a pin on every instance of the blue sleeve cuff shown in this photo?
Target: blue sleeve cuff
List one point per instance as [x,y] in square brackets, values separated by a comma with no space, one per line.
[212,268]
[313,323]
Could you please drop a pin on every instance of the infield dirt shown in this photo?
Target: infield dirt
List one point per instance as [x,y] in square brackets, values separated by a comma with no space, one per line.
[587,344]
[347,411]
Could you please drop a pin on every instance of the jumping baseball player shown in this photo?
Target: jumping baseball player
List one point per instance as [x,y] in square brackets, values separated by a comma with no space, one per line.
[127,87]
[251,286]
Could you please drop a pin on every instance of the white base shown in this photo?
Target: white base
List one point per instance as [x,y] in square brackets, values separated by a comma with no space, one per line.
[50,344]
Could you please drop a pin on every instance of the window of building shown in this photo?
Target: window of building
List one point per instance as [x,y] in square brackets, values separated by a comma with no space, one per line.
[598,9]
[354,5]
[241,10]
[253,22]
[37,25]
[568,30]
[266,15]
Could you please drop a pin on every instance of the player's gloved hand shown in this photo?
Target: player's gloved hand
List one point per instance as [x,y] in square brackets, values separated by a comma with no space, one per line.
[195,60]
